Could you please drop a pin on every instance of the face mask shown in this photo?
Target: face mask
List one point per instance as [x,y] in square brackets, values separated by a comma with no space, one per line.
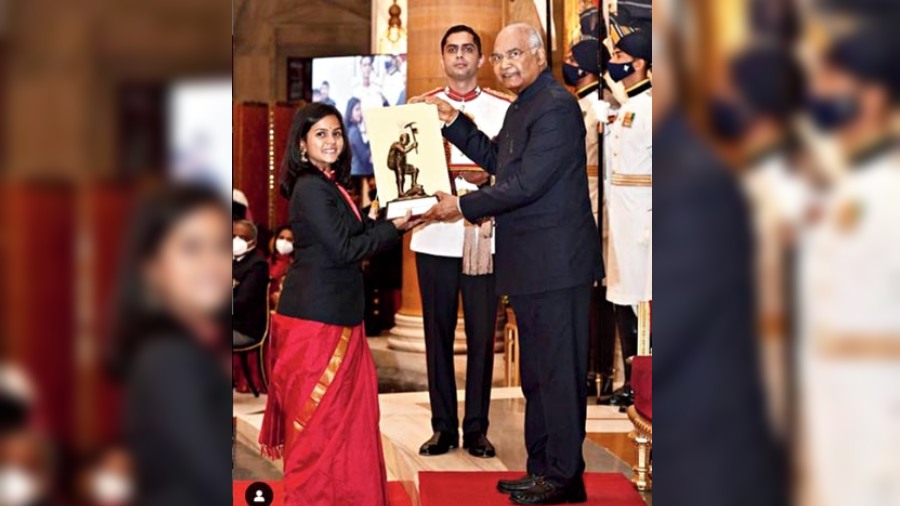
[728,120]
[831,113]
[571,74]
[239,247]
[619,71]
[284,246]
[17,487]
[111,488]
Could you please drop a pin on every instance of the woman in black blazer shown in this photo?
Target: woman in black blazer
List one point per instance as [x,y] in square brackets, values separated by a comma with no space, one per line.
[171,321]
[322,412]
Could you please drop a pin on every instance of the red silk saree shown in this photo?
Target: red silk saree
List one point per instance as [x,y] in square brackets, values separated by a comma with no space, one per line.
[322,415]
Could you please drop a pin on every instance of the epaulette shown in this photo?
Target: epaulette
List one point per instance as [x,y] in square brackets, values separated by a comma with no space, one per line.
[499,94]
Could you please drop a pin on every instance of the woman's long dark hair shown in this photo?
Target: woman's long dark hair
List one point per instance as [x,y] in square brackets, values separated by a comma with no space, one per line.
[349,112]
[292,167]
[136,321]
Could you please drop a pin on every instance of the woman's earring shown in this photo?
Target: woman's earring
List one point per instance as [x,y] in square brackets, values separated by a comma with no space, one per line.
[303,156]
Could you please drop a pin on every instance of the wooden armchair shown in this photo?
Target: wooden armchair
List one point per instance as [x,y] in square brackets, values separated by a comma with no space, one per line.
[641,413]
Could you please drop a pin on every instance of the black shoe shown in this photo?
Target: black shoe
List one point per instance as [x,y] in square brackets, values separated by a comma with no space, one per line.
[478,445]
[439,444]
[544,492]
[624,397]
[518,485]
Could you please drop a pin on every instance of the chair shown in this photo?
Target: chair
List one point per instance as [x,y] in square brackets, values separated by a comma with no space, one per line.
[641,413]
[259,348]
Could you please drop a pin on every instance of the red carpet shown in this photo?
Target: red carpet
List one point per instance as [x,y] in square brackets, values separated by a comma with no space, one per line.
[479,488]
[397,494]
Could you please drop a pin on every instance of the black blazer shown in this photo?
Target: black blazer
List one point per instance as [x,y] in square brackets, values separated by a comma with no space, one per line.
[546,237]
[177,408]
[250,297]
[325,282]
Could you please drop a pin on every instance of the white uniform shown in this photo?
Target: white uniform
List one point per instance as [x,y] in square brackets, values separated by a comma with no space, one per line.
[779,199]
[487,109]
[588,100]
[849,323]
[629,154]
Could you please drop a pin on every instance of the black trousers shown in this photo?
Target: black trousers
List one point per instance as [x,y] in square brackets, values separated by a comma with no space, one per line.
[626,322]
[603,333]
[553,337]
[440,282]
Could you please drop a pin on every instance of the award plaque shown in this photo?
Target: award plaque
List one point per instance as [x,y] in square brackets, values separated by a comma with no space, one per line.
[408,157]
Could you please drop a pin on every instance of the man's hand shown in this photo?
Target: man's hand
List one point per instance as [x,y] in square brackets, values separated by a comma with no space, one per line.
[446,112]
[446,209]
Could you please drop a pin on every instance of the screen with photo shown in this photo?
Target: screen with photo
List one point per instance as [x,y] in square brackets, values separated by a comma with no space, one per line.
[199,113]
[354,84]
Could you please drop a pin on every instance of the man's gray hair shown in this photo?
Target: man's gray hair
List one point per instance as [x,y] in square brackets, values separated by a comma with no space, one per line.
[252,226]
[535,40]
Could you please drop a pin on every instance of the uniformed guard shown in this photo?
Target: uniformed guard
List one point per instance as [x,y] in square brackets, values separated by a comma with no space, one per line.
[850,325]
[581,71]
[458,256]
[629,153]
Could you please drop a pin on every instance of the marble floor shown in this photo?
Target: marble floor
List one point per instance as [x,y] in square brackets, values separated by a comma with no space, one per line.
[405,424]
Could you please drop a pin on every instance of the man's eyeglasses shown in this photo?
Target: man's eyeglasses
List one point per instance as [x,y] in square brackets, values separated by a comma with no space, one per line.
[512,55]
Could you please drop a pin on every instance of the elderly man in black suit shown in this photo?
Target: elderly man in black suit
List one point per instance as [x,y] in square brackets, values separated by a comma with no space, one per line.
[548,253]
[250,274]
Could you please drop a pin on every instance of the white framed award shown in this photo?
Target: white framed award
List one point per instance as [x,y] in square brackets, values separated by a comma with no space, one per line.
[408,157]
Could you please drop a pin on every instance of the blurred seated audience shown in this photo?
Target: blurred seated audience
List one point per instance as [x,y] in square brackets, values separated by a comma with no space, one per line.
[26,473]
[250,277]
[107,478]
[26,468]
[280,259]
[16,398]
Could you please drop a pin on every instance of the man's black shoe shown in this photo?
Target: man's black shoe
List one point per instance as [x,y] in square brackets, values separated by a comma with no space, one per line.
[478,445]
[439,444]
[545,492]
[520,484]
